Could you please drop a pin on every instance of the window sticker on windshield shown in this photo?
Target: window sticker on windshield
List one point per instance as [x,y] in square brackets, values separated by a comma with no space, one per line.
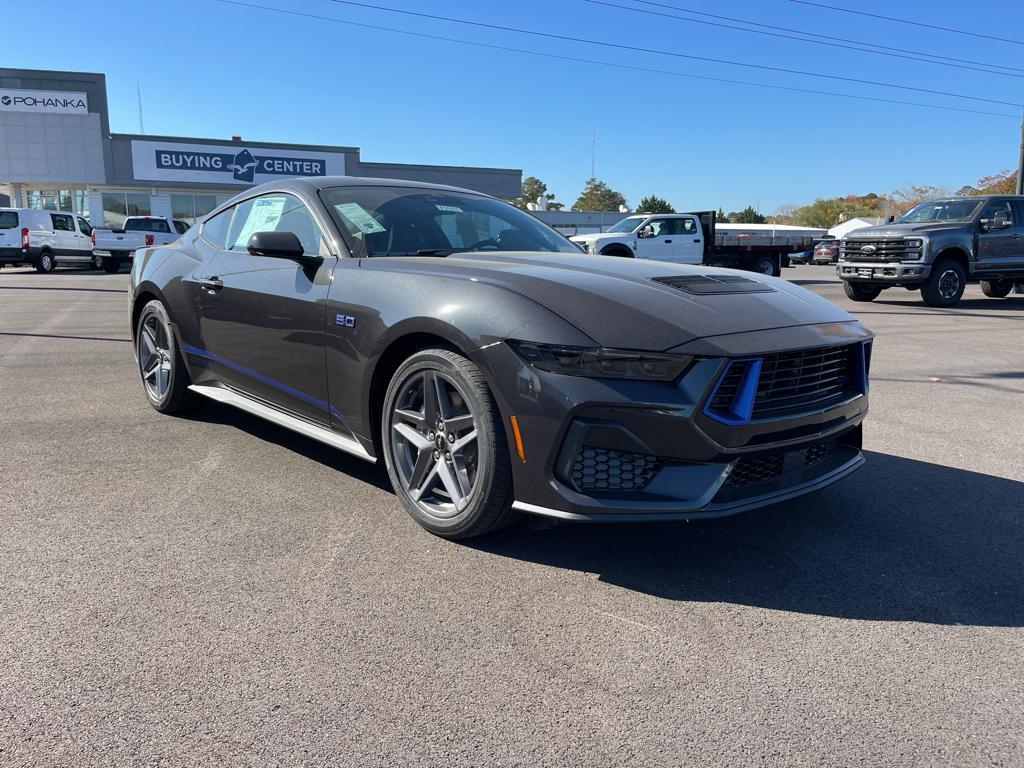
[359,217]
[263,217]
[449,208]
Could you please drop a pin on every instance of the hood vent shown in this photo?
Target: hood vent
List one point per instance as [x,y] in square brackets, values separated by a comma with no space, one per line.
[704,285]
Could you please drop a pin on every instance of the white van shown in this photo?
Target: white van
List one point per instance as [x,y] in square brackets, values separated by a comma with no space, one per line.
[44,239]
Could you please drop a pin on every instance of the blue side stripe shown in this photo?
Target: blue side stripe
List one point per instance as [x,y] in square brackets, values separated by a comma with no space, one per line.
[322,405]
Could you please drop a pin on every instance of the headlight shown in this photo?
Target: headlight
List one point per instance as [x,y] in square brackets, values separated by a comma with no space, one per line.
[913,243]
[600,363]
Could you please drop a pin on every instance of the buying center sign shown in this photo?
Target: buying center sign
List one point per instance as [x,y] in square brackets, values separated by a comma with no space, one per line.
[228,163]
[49,102]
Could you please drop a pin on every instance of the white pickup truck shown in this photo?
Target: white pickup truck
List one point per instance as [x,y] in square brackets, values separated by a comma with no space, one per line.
[695,238]
[117,245]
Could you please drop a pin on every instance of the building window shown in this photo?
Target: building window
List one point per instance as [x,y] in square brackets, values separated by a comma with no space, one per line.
[49,199]
[190,208]
[117,206]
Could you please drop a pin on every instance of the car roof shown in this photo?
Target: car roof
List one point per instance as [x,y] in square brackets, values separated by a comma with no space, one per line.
[314,183]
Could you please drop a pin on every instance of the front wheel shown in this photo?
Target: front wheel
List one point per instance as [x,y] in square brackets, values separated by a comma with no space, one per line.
[946,284]
[161,369]
[861,292]
[996,289]
[97,261]
[445,447]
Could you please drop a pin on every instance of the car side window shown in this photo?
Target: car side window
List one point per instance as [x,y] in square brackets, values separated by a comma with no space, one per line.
[215,229]
[659,227]
[276,212]
[84,226]
[62,222]
[1000,209]
[687,226]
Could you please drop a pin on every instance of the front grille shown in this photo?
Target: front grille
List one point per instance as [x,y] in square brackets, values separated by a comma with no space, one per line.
[602,469]
[809,378]
[751,470]
[885,250]
[728,387]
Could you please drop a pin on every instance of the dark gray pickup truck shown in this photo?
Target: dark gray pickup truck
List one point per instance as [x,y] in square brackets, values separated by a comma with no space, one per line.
[937,247]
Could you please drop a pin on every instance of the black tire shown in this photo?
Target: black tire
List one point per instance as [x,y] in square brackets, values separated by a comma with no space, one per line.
[45,263]
[861,292]
[621,251]
[97,261]
[488,504]
[946,284]
[175,397]
[766,265]
[111,265]
[996,289]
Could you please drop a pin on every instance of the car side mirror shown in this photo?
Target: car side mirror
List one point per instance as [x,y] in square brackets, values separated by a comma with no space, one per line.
[983,225]
[646,232]
[281,245]
[891,219]
[1001,221]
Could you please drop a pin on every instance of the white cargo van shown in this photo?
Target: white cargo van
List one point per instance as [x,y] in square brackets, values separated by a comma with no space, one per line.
[44,239]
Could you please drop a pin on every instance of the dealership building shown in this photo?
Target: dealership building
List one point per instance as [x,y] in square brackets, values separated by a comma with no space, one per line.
[57,153]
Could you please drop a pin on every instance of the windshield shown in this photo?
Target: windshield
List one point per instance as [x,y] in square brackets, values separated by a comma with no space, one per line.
[940,210]
[627,225]
[403,221]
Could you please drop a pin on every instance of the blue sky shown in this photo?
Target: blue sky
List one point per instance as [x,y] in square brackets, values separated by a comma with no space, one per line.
[210,69]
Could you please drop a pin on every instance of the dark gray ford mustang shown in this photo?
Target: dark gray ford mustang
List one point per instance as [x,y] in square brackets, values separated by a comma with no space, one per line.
[493,366]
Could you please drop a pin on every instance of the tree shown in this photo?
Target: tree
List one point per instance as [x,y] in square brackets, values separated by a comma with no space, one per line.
[721,218]
[823,213]
[534,190]
[1002,183]
[785,213]
[905,198]
[655,204]
[598,196]
[747,216]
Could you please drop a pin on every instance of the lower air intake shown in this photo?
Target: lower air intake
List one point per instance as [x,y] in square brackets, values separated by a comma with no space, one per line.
[602,469]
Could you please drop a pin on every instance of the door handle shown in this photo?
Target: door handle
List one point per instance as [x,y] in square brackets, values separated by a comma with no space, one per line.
[211,283]
[668,241]
[696,240]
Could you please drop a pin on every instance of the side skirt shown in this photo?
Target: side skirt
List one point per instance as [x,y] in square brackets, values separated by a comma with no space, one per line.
[326,436]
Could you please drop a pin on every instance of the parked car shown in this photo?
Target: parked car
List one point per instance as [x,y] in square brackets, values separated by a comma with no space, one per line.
[826,252]
[695,238]
[937,247]
[801,257]
[44,239]
[116,246]
[494,368]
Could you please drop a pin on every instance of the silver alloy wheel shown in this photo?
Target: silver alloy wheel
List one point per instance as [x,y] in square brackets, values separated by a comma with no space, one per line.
[46,262]
[434,443]
[949,284]
[154,358]
[97,261]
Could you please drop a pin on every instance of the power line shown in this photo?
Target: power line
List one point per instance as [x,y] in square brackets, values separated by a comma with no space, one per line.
[628,67]
[909,21]
[621,46]
[884,49]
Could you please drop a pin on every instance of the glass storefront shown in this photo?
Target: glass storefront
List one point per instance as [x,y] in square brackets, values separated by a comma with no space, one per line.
[117,206]
[189,208]
[70,200]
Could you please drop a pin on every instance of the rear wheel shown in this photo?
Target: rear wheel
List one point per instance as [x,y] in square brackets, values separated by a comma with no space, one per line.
[161,369]
[765,265]
[946,284]
[996,289]
[111,265]
[46,262]
[861,292]
[97,261]
[445,447]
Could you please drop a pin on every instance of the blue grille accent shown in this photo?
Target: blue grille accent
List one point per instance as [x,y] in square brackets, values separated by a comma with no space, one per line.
[732,400]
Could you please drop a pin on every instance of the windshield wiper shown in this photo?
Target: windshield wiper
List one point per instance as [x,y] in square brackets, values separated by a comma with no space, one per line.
[421,252]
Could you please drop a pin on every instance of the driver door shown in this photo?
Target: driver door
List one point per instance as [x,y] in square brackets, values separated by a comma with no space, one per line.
[1001,244]
[659,242]
[263,318]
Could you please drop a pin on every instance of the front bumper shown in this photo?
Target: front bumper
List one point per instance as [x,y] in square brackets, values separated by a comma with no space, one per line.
[615,450]
[883,273]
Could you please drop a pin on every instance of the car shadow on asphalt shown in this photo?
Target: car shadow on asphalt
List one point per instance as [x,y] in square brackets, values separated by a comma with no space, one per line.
[215,413]
[901,540]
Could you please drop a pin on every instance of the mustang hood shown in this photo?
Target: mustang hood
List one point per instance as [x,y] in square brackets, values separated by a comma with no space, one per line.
[623,303]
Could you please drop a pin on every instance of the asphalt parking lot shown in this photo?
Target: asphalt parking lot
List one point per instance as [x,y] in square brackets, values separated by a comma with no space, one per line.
[217,591]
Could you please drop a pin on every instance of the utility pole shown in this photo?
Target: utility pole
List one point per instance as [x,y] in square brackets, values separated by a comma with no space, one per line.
[138,91]
[593,151]
[1020,162]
